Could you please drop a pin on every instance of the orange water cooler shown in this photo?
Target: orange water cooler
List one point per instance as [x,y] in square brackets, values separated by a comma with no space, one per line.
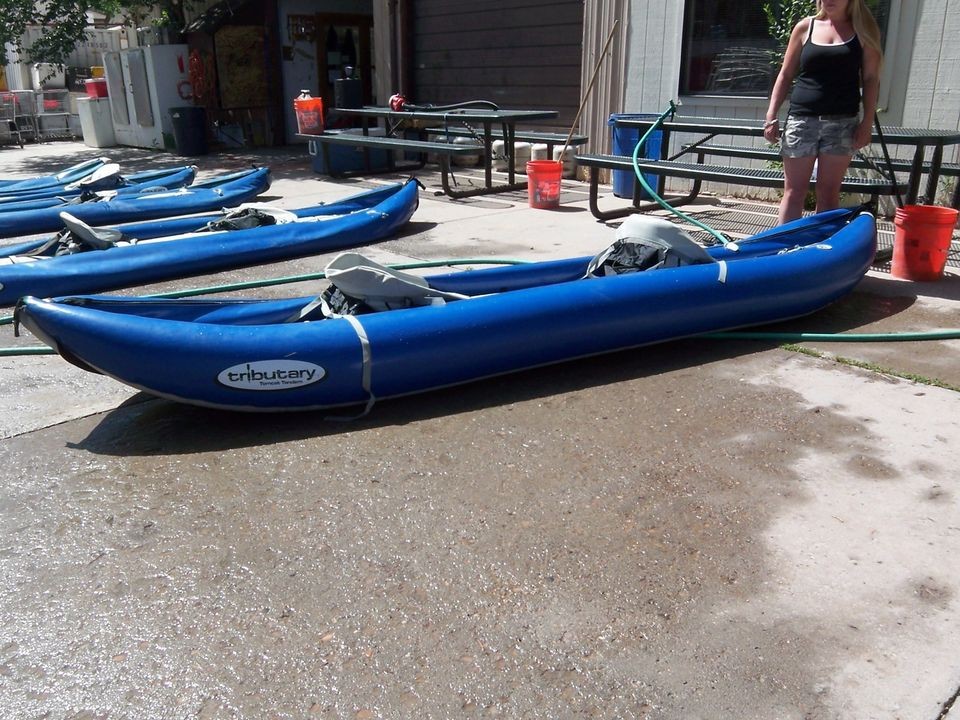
[309,111]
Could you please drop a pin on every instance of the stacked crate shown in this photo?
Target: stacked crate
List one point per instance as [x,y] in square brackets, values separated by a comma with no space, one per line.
[53,114]
[22,108]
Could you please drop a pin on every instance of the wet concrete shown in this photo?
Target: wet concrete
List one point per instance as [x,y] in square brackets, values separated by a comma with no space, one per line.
[700,529]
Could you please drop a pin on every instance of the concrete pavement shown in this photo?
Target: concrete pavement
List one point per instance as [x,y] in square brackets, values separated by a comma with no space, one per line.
[700,529]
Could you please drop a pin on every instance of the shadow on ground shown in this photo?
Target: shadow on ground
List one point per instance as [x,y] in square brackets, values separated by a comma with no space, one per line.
[946,288]
[148,426]
[287,162]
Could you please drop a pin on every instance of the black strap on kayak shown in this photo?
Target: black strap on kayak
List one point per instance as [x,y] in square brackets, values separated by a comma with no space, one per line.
[241,219]
[50,247]
[66,242]
[86,196]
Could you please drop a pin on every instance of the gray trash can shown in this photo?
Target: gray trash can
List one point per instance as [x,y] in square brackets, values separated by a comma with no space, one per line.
[190,130]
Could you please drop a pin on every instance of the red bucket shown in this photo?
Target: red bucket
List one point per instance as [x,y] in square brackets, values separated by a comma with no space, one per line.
[309,112]
[543,183]
[96,88]
[921,241]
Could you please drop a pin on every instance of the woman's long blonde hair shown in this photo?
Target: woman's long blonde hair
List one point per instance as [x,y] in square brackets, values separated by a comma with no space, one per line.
[864,24]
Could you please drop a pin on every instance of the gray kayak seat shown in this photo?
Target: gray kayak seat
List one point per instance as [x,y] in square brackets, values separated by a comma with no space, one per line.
[77,237]
[360,285]
[380,287]
[60,175]
[647,243]
[103,178]
[92,238]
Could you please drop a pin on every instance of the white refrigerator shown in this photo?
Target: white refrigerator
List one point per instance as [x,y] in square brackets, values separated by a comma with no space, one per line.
[142,85]
[96,124]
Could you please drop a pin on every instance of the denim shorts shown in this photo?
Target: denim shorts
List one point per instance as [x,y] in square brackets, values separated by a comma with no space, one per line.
[813,135]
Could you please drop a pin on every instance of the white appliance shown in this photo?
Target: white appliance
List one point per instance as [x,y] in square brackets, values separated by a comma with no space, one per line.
[95,122]
[142,85]
[48,76]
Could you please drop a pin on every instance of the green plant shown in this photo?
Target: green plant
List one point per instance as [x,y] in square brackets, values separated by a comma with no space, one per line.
[870,367]
[782,16]
[945,189]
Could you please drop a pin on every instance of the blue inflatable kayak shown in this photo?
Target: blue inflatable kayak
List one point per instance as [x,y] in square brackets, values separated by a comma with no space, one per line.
[110,207]
[64,177]
[107,179]
[141,253]
[304,353]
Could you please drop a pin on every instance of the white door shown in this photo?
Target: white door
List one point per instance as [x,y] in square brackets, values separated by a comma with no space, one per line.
[128,87]
[139,87]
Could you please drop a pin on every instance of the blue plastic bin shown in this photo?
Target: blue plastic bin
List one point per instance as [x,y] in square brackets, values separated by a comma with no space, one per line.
[344,159]
[625,139]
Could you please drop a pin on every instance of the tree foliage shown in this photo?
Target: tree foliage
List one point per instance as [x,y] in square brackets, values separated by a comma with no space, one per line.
[782,16]
[64,22]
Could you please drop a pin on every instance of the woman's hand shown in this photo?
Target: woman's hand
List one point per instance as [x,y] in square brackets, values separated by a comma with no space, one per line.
[781,87]
[771,131]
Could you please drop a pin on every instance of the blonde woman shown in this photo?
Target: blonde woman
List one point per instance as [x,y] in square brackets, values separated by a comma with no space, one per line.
[831,71]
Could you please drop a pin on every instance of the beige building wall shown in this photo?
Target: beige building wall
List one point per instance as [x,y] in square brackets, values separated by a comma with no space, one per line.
[931,87]
[920,84]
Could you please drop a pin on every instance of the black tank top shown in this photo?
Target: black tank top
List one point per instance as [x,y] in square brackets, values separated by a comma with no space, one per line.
[829,79]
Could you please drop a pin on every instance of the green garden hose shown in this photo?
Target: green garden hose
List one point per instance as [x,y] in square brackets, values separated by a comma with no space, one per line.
[671,110]
[233,287]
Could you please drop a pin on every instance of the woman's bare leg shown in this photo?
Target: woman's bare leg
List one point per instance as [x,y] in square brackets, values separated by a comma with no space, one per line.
[796,172]
[830,172]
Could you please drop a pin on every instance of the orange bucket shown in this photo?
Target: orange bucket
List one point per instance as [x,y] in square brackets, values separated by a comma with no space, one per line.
[309,112]
[921,241]
[543,183]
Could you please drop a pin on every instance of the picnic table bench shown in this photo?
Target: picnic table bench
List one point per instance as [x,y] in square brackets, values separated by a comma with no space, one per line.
[773,154]
[700,172]
[421,147]
[549,139]
[920,139]
[396,119]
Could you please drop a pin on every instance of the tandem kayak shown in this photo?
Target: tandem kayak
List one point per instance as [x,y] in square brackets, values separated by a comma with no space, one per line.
[110,207]
[64,177]
[107,178]
[142,253]
[455,327]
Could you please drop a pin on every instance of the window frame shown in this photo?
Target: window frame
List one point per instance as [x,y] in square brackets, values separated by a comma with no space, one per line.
[886,77]
[890,47]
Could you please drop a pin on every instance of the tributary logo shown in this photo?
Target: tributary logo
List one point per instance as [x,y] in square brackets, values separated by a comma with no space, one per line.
[271,375]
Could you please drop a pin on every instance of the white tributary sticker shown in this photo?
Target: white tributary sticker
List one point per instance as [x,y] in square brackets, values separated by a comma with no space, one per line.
[271,375]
